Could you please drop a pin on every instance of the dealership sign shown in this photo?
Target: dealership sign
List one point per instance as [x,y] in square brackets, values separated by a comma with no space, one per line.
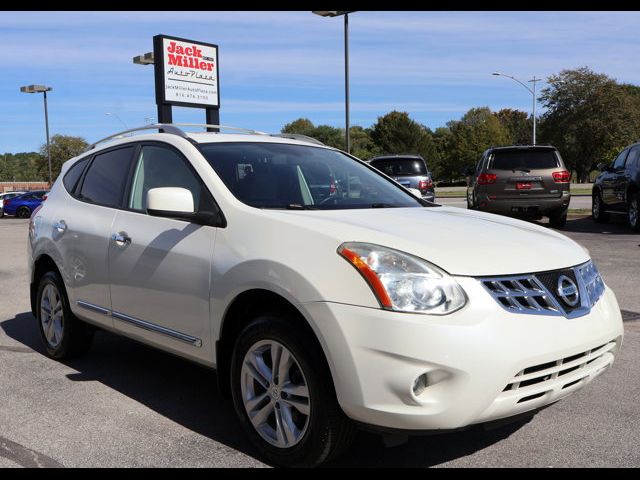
[186,72]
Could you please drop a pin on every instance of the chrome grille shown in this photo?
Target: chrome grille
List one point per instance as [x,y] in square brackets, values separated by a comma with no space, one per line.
[538,293]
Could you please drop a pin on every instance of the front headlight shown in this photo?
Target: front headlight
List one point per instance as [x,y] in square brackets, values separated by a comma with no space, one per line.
[403,282]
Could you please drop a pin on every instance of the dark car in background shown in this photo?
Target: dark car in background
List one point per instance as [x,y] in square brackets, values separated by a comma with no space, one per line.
[410,171]
[23,205]
[617,189]
[523,181]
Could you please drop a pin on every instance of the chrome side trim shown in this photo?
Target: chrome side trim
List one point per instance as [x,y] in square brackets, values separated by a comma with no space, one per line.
[93,308]
[152,327]
[196,342]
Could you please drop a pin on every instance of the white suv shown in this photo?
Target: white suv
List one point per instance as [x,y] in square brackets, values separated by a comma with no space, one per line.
[324,293]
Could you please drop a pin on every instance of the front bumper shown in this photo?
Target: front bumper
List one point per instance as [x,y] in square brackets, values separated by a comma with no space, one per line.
[469,357]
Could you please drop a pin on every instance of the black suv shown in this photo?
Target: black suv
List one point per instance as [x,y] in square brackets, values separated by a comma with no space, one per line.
[616,190]
[410,171]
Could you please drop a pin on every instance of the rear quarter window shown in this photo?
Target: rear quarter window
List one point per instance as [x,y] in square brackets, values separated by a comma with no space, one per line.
[73,175]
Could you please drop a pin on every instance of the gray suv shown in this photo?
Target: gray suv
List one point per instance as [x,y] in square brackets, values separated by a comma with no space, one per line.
[521,181]
[410,171]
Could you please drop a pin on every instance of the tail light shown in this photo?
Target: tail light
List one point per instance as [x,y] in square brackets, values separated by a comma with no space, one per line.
[5,203]
[425,184]
[487,178]
[561,177]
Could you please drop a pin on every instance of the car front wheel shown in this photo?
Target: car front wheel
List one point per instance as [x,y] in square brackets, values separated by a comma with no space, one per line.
[283,394]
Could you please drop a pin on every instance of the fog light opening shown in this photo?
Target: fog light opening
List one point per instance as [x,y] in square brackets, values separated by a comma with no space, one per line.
[420,384]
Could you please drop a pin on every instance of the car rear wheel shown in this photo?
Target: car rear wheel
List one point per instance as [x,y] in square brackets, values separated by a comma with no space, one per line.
[23,212]
[598,212]
[64,336]
[283,394]
[633,214]
[558,219]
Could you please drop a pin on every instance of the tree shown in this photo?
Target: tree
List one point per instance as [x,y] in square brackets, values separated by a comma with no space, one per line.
[463,141]
[588,116]
[20,167]
[519,125]
[63,147]
[396,133]
[303,126]
[362,146]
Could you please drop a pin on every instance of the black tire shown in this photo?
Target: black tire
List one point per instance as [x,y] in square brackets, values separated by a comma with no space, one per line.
[471,205]
[558,219]
[23,212]
[328,432]
[76,336]
[633,212]
[598,212]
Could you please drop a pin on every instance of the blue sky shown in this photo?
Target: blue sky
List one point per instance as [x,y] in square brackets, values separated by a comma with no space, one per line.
[279,66]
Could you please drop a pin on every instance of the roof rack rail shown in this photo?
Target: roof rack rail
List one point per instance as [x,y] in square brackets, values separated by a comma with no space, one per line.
[226,127]
[162,127]
[298,136]
[173,129]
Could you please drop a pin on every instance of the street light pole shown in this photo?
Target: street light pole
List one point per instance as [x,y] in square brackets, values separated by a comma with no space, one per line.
[42,89]
[347,136]
[109,114]
[532,92]
[346,82]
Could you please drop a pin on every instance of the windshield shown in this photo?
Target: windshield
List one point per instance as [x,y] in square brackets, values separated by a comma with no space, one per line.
[524,160]
[275,175]
[400,166]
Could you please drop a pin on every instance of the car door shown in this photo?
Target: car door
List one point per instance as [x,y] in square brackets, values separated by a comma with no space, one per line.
[627,175]
[610,181]
[160,270]
[86,225]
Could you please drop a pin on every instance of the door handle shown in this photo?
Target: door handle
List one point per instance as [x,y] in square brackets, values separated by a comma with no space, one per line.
[60,226]
[121,239]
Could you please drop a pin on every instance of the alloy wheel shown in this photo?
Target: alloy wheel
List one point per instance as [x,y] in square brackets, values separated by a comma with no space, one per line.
[51,315]
[275,393]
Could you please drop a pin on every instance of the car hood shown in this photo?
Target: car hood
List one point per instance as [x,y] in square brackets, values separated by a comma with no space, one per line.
[462,242]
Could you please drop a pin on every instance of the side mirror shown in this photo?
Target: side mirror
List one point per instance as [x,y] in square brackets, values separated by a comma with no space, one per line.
[603,167]
[173,202]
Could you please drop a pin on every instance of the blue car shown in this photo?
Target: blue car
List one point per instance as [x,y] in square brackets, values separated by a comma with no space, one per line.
[23,205]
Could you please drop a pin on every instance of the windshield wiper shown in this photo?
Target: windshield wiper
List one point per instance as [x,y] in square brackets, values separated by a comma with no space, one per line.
[297,206]
[382,205]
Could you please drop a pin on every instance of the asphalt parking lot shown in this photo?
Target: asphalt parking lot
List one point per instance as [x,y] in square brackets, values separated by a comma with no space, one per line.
[125,404]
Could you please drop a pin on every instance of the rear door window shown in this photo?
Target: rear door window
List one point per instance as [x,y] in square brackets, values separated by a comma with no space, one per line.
[524,160]
[400,166]
[105,180]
